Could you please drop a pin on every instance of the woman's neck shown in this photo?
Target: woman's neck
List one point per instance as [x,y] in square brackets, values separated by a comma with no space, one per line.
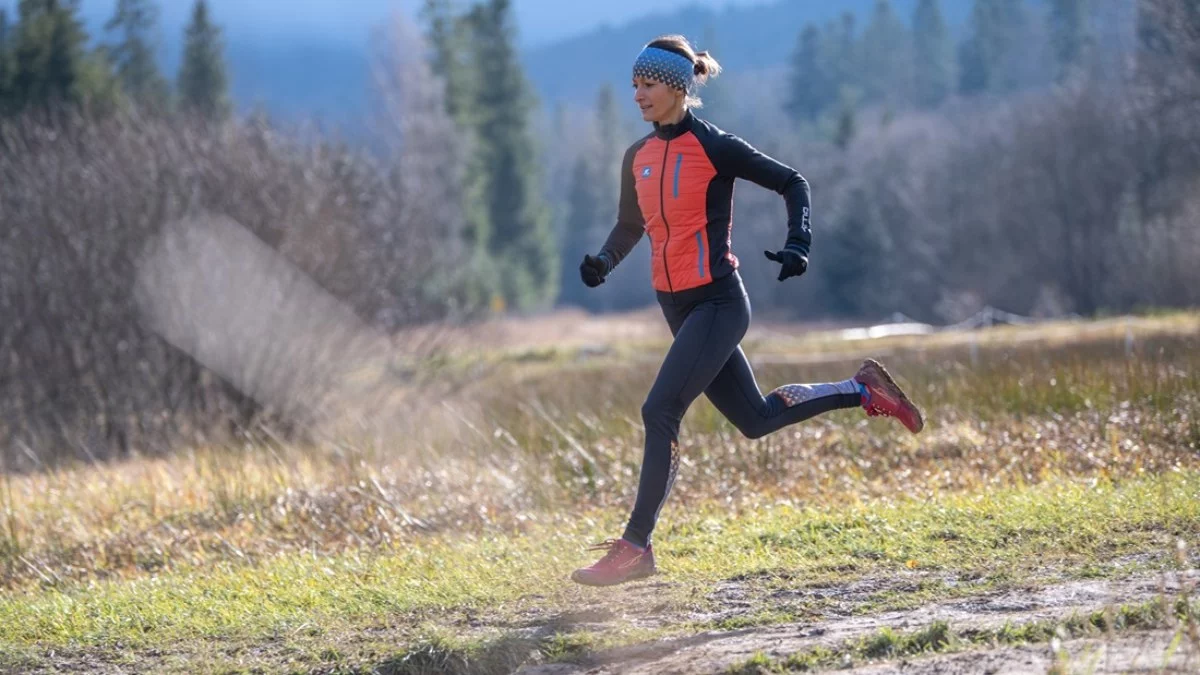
[674,118]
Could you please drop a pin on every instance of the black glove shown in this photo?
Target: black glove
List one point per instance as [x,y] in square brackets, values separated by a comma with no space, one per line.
[593,269]
[794,262]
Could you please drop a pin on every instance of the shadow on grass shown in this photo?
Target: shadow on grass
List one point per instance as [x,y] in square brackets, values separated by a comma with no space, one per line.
[554,640]
[557,640]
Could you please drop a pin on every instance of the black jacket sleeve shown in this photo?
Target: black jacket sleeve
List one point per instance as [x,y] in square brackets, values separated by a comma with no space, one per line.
[630,224]
[735,157]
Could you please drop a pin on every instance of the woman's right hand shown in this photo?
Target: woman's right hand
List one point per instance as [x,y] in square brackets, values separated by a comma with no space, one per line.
[593,269]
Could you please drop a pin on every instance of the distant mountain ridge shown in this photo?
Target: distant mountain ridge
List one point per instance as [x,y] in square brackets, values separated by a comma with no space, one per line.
[539,21]
[306,75]
[742,38]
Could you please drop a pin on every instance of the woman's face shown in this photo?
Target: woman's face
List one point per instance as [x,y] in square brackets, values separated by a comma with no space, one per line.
[657,101]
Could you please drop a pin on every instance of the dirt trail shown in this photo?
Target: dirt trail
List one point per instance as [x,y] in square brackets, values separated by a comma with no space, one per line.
[1143,652]
[716,651]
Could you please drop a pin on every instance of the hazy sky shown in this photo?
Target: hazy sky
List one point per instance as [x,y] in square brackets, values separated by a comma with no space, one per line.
[349,20]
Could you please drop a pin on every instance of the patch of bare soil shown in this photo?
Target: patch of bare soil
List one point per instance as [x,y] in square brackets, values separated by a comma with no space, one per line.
[717,651]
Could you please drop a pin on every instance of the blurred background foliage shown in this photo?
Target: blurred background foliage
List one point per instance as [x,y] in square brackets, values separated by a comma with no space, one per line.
[1041,156]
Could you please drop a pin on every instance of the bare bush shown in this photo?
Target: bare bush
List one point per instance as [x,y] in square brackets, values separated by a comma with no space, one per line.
[1041,202]
[82,199]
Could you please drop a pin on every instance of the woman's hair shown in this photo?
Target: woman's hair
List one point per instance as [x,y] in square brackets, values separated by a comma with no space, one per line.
[704,65]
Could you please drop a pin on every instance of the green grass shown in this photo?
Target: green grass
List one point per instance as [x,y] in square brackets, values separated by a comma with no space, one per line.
[446,543]
[410,589]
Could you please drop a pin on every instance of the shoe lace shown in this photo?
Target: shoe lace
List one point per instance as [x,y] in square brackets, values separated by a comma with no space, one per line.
[875,411]
[610,545]
[606,545]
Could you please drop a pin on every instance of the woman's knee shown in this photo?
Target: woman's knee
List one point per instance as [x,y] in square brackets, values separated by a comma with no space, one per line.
[652,410]
[753,429]
[657,410]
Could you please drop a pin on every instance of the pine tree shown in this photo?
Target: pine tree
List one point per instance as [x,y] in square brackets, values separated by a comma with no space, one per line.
[579,236]
[133,55]
[6,62]
[991,52]
[972,74]
[847,126]
[520,238]
[1069,35]
[842,58]
[886,52]
[65,53]
[809,84]
[856,253]
[933,55]
[450,37]
[203,88]
[48,55]
[717,101]
[609,152]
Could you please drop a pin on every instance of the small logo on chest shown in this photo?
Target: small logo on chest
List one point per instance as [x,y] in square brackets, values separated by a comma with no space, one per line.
[646,172]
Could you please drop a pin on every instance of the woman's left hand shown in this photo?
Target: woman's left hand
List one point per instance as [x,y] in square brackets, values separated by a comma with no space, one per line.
[794,264]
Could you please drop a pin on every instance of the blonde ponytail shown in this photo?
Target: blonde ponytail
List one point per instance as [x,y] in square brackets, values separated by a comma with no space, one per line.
[706,67]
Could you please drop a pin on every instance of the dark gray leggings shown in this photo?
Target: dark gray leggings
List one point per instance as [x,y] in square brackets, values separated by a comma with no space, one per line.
[706,358]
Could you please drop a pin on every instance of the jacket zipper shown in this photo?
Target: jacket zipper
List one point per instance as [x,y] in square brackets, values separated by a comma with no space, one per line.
[662,205]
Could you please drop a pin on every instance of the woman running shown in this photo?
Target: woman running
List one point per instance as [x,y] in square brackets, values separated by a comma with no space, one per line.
[677,189]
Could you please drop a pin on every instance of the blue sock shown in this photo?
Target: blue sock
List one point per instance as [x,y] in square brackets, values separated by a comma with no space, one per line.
[865,393]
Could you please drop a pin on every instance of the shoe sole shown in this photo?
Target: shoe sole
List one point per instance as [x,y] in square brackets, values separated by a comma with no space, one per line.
[887,377]
[632,577]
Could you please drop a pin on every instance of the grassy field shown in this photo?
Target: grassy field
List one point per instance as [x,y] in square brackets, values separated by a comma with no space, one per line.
[443,543]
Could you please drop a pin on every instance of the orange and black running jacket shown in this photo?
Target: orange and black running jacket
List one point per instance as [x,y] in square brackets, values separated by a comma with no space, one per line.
[677,189]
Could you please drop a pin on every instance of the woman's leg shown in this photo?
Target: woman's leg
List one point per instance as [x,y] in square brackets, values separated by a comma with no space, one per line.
[703,343]
[736,395]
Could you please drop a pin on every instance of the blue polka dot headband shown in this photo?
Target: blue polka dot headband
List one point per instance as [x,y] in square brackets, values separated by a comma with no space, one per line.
[661,65]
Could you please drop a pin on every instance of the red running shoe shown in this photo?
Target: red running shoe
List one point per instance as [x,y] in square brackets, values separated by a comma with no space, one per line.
[885,397]
[623,562]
